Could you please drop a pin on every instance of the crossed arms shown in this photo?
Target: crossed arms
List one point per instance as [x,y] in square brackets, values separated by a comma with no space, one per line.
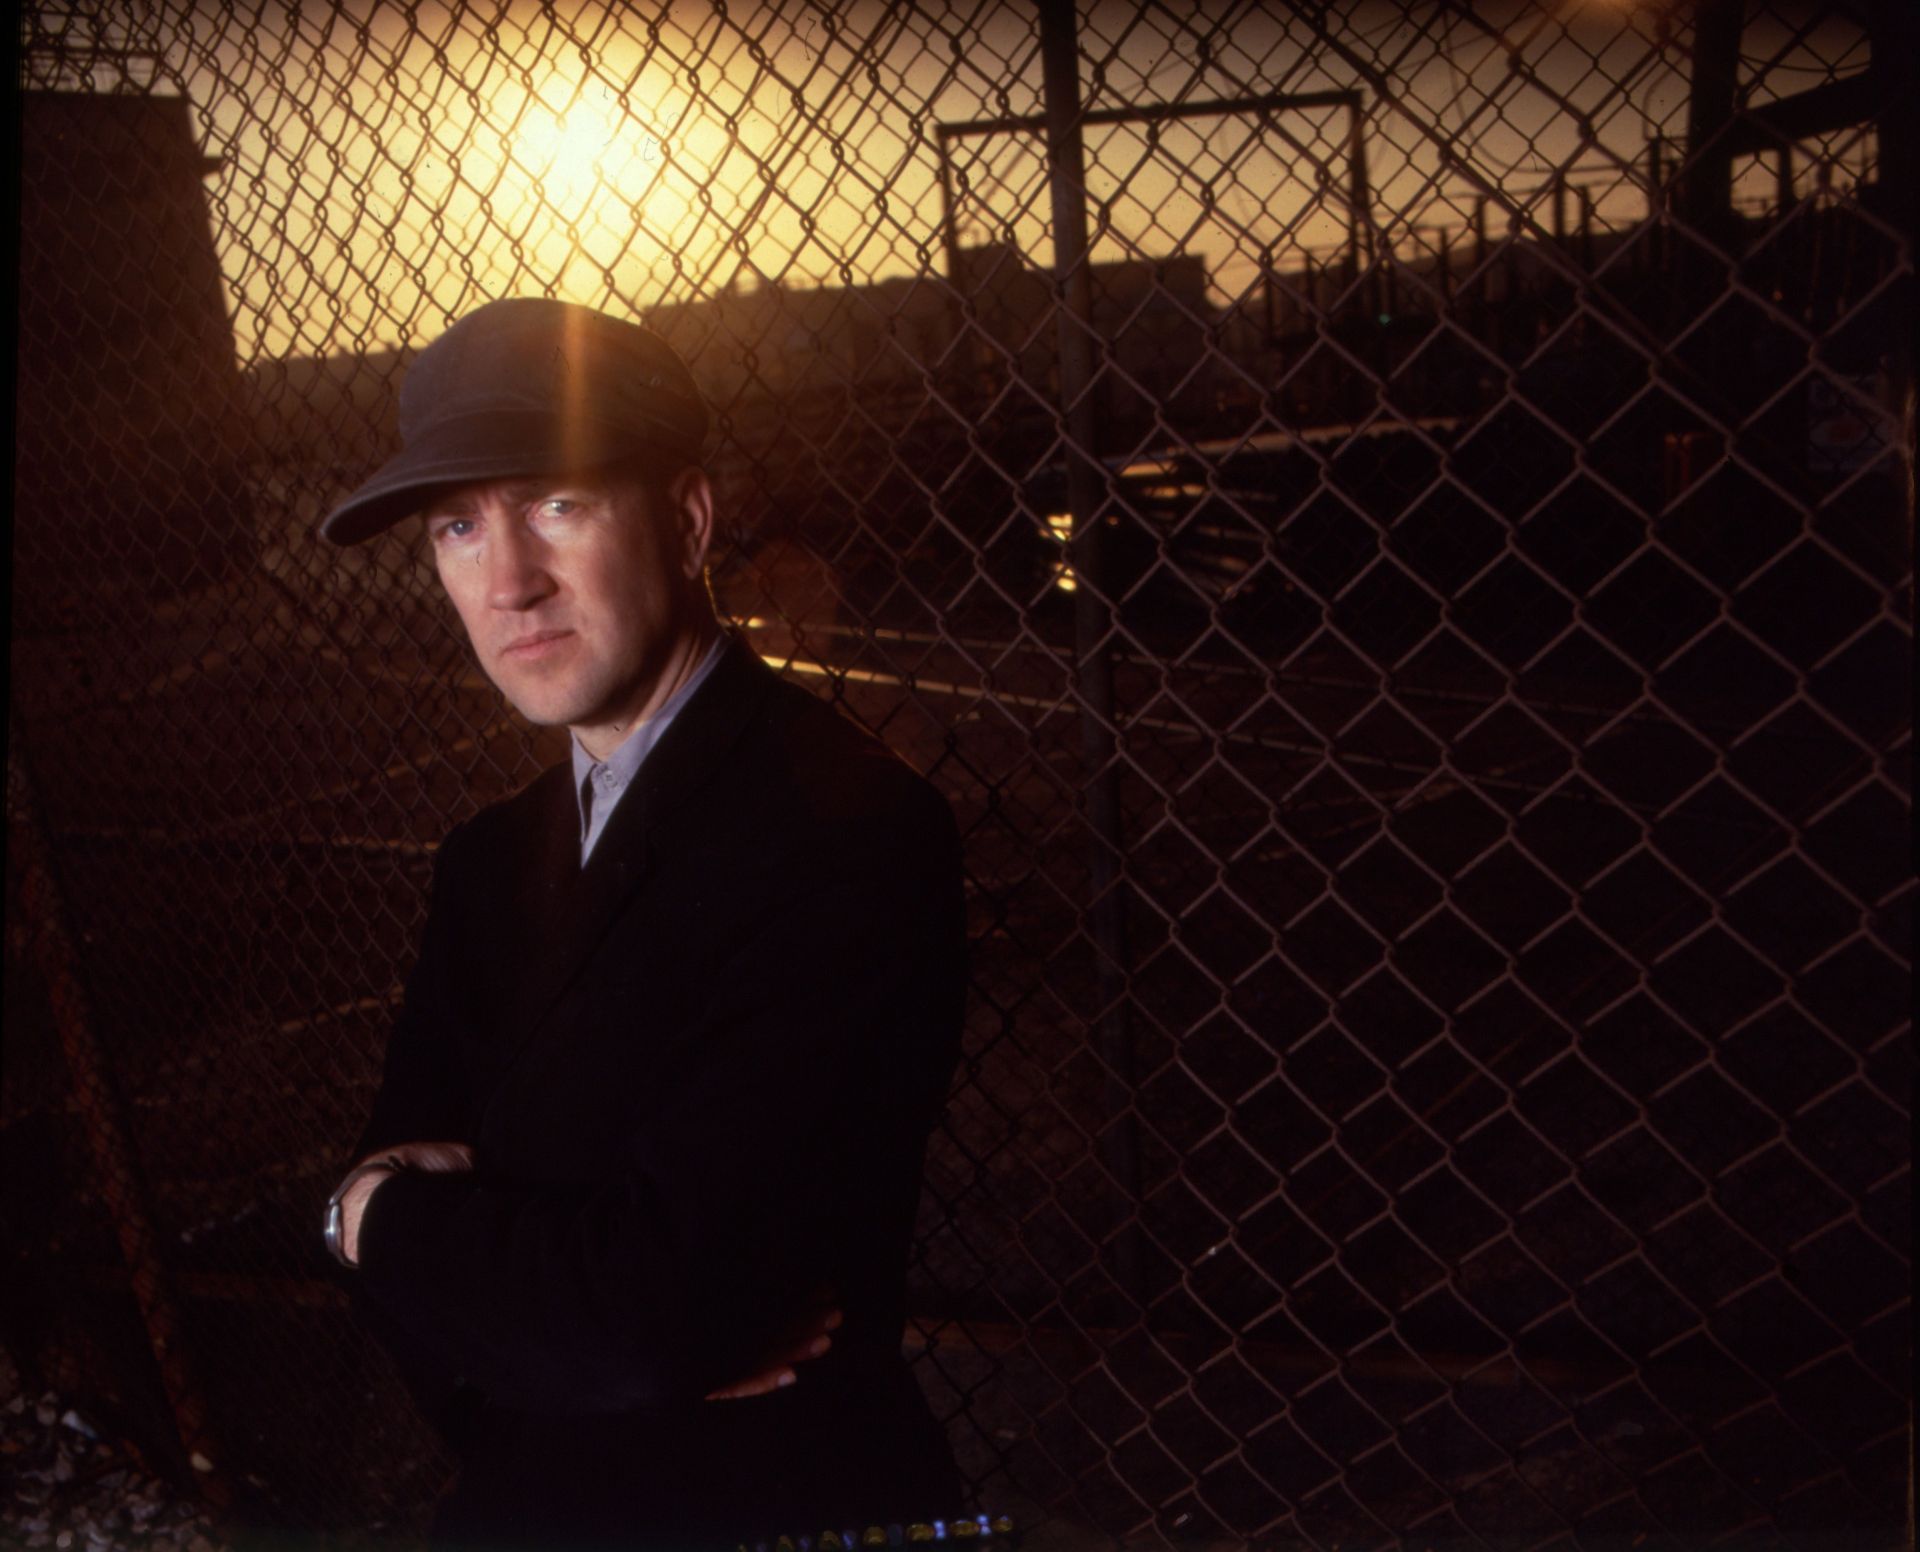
[763,1186]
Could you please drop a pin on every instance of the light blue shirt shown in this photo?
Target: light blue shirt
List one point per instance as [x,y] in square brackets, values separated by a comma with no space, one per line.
[612,776]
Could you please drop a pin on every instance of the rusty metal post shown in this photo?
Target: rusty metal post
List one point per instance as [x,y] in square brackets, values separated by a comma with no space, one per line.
[103,1119]
[1086,482]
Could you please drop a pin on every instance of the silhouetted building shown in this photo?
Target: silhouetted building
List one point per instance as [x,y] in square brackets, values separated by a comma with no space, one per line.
[128,441]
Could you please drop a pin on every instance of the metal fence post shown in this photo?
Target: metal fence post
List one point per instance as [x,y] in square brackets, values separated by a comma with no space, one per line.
[1086,480]
[103,1119]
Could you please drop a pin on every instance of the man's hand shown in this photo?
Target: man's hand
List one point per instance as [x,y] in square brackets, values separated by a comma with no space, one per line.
[433,1157]
[808,1338]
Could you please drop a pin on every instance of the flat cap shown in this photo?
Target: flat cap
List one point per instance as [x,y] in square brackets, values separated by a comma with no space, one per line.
[527,386]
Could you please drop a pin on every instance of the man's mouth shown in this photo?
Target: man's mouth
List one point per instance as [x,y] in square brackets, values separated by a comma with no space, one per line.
[534,644]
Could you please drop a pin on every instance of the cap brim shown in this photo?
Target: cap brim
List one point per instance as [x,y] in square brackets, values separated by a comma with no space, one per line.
[494,445]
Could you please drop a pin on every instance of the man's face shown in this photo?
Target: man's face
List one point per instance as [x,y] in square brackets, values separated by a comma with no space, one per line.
[581,596]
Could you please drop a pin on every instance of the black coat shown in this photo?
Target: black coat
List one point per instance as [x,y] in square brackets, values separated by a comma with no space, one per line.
[697,1077]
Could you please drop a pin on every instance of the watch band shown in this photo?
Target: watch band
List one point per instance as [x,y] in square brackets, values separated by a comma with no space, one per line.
[335,1231]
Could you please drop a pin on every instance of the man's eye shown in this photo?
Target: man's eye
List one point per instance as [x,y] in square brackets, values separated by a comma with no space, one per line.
[452,528]
[559,506]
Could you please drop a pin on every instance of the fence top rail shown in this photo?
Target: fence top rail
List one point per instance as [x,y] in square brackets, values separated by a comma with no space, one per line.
[1156,112]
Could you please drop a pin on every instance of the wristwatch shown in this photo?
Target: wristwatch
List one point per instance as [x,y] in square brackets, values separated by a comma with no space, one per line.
[335,1232]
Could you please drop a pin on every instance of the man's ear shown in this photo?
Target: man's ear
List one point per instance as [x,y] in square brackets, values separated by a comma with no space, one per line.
[690,500]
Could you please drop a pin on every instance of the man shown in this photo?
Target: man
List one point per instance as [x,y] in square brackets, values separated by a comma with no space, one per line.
[655,1107]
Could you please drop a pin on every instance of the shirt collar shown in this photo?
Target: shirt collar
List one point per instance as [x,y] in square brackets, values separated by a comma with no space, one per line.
[625,761]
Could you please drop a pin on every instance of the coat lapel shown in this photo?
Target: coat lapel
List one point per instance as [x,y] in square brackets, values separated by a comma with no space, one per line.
[518,927]
[583,902]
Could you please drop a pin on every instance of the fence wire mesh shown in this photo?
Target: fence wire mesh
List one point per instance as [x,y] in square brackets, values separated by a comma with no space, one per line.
[1390,524]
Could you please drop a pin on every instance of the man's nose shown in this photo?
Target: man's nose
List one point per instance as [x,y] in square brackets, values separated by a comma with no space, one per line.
[517,575]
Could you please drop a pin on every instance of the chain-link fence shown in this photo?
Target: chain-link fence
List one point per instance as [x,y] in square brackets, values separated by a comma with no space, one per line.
[1391,526]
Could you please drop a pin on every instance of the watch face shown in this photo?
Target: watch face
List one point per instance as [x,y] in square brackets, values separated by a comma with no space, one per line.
[332,1233]
[336,1226]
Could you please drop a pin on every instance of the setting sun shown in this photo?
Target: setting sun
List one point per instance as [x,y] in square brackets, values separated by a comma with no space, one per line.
[572,154]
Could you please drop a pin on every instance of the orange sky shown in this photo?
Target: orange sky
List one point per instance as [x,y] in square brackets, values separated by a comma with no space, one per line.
[383,173]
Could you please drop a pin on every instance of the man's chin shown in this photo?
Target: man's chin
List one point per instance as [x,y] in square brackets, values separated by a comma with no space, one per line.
[546,716]
[544,710]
